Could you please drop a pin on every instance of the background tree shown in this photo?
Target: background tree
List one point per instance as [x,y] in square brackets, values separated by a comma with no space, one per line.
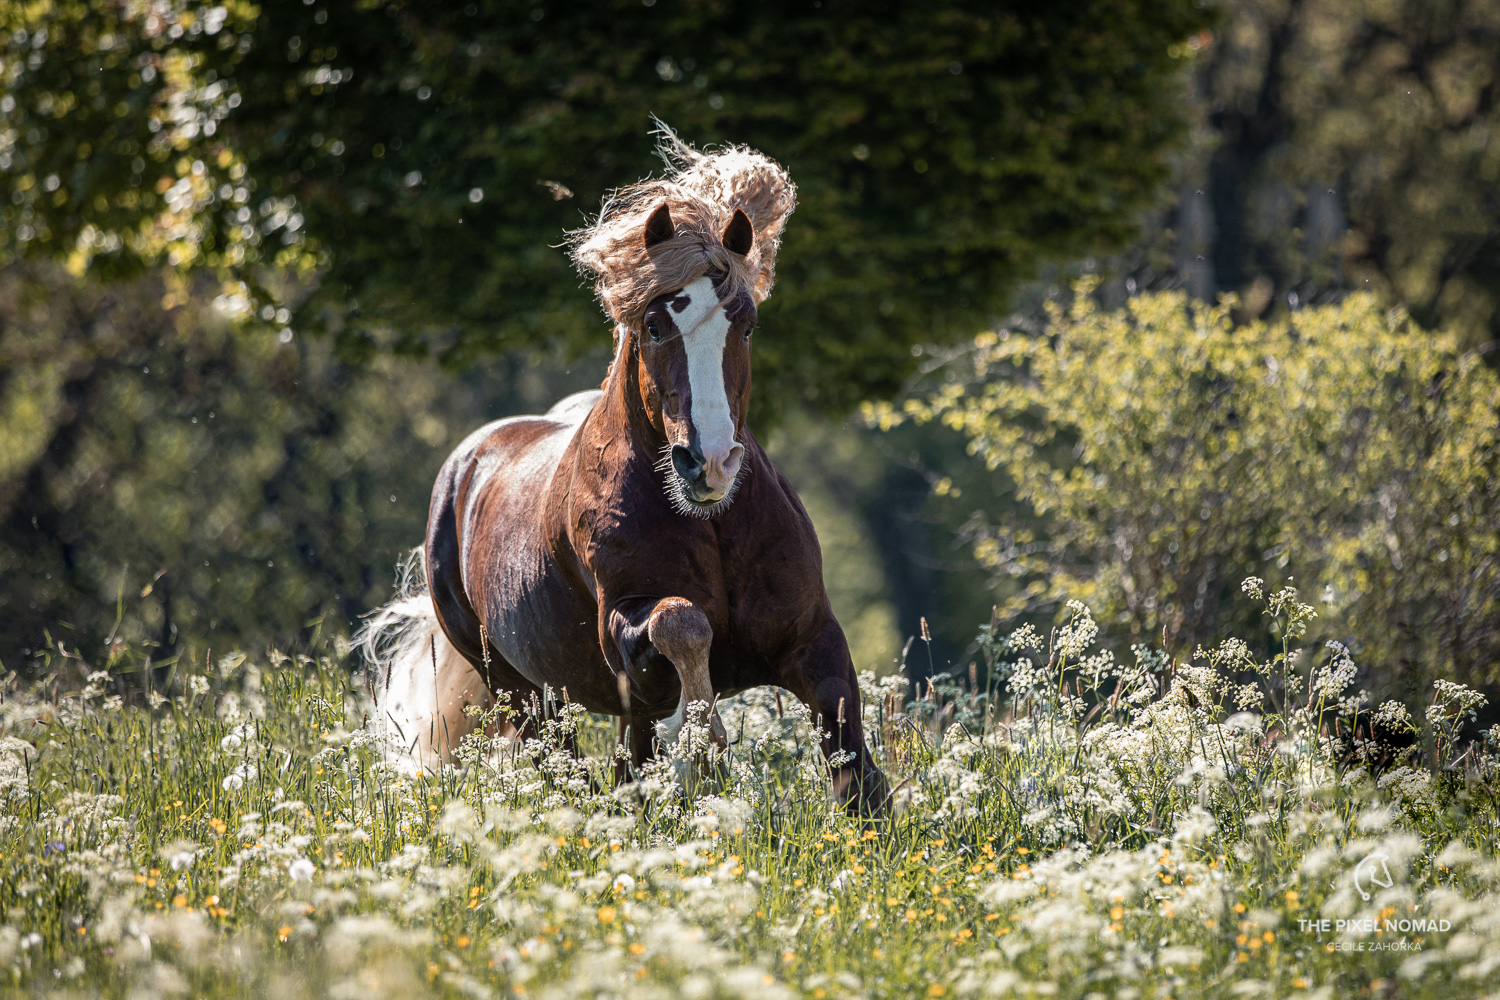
[1341,146]
[163,473]
[424,159]
[1337,147]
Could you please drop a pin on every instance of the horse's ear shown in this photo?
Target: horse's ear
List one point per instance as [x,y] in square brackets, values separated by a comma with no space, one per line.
[659,227]
[739,235]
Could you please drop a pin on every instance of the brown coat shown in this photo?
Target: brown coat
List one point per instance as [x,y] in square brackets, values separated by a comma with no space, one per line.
[553,537]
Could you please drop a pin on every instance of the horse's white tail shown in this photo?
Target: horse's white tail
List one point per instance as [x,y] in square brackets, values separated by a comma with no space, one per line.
[422,684]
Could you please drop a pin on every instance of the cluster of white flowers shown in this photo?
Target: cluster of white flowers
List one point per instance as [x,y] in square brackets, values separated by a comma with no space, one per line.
[1026,637]
[1079,633]
[1393,716]
[1115,827]
[1412,786]
[1453,700]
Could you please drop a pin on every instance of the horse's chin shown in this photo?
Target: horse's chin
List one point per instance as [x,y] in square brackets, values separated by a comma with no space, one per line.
[683,500]
[705,508]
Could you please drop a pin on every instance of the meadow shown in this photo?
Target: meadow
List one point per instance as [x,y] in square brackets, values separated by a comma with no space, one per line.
[1204,825]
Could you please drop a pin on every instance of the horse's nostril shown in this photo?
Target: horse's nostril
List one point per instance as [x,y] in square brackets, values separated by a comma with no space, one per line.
[687,462]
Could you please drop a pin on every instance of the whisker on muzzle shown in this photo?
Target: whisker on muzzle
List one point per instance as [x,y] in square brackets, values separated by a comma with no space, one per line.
[676,489]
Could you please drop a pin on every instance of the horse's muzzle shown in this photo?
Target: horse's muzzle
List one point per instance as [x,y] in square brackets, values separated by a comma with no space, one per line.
[705,480]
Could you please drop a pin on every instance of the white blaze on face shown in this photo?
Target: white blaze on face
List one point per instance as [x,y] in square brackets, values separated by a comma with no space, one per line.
[704,328]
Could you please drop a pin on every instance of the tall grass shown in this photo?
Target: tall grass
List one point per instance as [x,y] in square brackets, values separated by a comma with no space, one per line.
[1156,828]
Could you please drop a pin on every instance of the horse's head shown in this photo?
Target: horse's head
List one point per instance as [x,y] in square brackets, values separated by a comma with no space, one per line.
[694,374]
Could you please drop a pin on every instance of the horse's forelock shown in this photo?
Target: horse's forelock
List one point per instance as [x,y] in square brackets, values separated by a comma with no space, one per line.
[702,191]
[728,285]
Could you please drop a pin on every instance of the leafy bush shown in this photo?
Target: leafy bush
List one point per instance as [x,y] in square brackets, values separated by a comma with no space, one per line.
[1141,828]
[1161,453]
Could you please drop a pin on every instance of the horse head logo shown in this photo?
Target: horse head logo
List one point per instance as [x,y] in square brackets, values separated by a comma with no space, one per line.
[1373,871]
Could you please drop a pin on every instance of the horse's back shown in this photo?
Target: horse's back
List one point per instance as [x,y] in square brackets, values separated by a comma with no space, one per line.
[507,464]
[572,409]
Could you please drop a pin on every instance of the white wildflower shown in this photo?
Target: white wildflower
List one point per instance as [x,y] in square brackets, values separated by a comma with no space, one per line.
[1025,637]
[1394,716]
[1332,678]
[301,870]
[95,685]
[1195,826]
[1454,699]
[1079,633]
[1412,785]
[1248,696]
[14,757]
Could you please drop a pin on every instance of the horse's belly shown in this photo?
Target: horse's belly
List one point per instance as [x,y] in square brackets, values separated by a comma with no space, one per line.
[538,620]
[551,637]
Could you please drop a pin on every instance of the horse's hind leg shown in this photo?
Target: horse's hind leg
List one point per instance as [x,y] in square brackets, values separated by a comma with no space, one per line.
[637,736]
[529,705]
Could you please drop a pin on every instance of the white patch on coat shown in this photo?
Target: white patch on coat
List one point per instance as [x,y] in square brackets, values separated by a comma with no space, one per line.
[668,730]
[704,328]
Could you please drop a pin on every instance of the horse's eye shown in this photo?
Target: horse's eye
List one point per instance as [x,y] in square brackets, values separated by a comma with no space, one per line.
[653,330]
[748,331]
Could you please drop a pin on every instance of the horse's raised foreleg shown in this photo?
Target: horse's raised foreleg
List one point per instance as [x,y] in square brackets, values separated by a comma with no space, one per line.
[821,674]
[676,631]
[680,631]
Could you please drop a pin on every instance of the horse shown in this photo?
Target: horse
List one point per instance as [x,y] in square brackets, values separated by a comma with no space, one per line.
[634,547]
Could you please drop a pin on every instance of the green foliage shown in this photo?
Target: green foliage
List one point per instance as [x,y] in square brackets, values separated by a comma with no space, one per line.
[1161,453]
[1395,103]
[243,831]
[426,158]
[107,156]
[164,468]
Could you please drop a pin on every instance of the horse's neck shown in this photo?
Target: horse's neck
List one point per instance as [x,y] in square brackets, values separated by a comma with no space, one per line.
[622,411]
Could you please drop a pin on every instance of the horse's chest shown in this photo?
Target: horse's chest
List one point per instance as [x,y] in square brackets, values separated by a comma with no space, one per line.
[767,614]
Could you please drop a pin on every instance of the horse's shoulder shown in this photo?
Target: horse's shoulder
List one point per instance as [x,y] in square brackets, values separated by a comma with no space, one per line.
[783,498]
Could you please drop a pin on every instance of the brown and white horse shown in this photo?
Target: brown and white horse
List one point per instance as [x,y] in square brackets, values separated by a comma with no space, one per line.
[633,547]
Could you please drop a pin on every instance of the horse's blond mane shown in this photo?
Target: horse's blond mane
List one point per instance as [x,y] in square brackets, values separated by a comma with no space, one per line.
[702,190]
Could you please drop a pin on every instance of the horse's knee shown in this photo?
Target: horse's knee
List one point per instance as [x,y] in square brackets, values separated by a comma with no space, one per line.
[680,631]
